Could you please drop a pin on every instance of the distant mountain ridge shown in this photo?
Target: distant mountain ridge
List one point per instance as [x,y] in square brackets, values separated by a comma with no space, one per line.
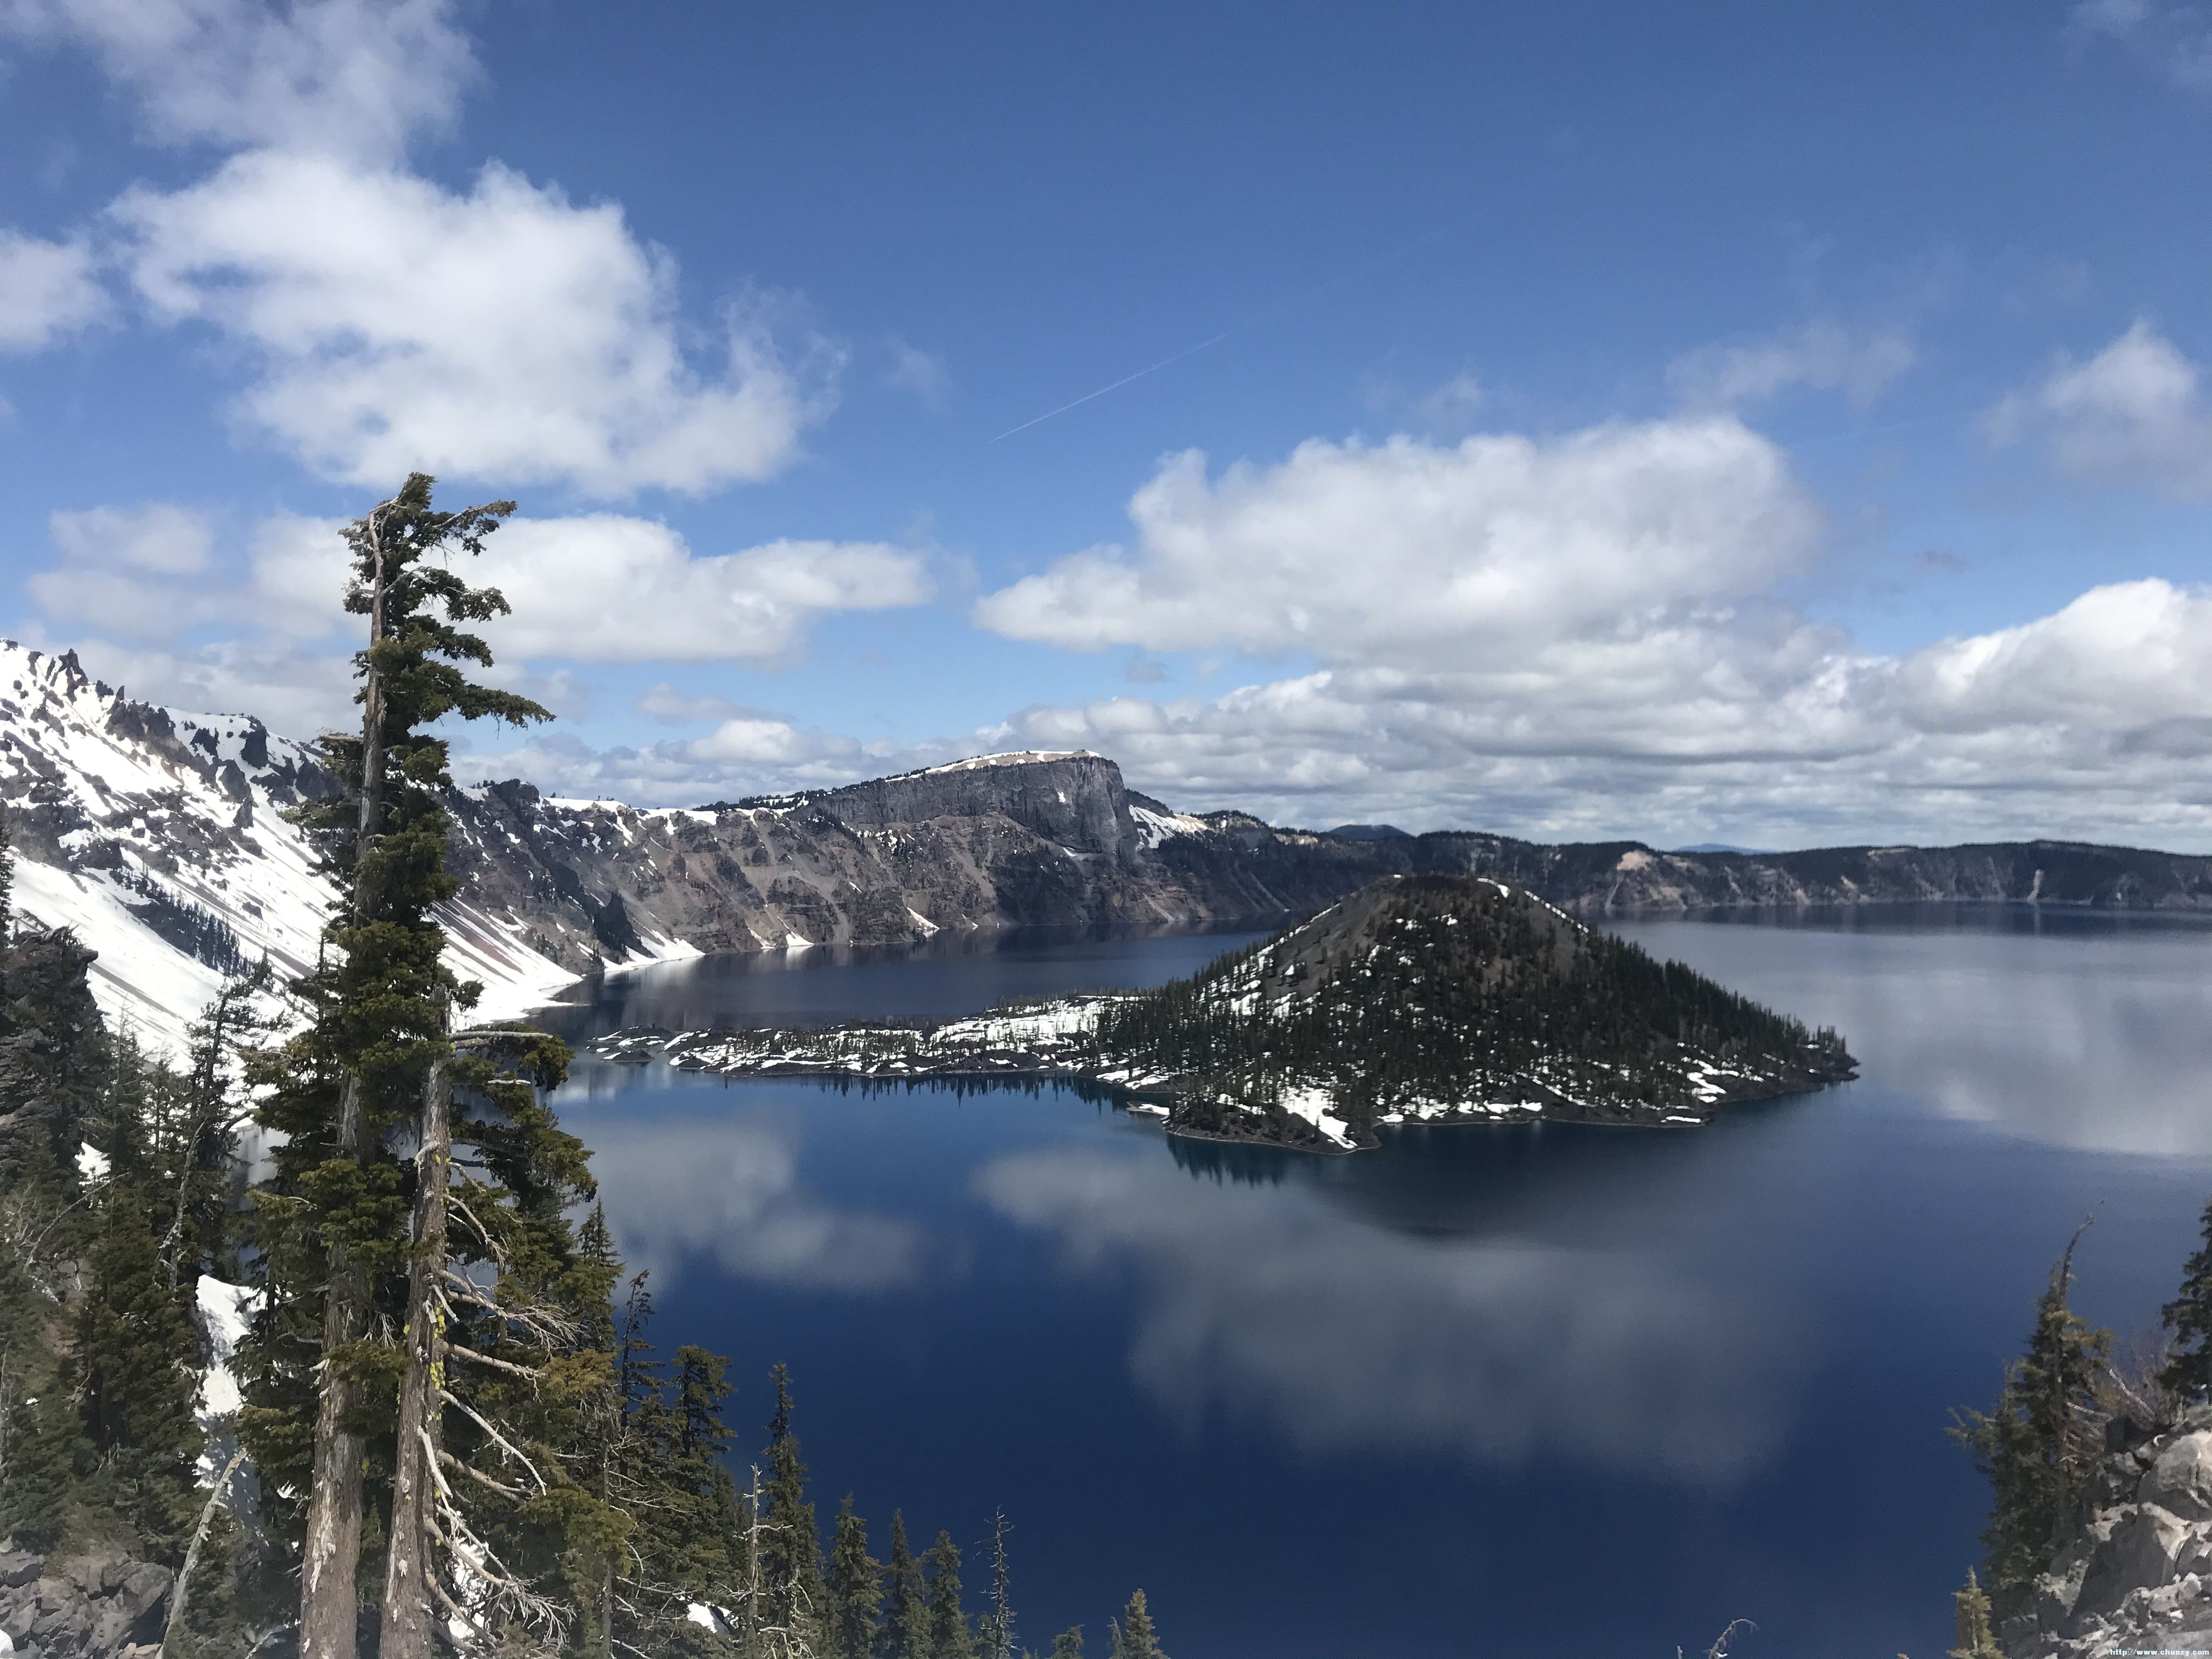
[161,836]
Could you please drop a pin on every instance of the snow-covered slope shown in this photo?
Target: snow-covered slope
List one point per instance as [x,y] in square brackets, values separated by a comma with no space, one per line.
[161,838]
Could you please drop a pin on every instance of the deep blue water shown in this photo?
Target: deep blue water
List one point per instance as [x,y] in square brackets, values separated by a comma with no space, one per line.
[1538,1389]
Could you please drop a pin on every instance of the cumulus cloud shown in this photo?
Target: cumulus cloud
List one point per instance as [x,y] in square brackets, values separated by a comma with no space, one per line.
[383,322]
[47,290]
[603,588]
[2135,412]
[357,77]
[1594,647]
[1489,550]
[598,588]
[1821,355]
[503,332]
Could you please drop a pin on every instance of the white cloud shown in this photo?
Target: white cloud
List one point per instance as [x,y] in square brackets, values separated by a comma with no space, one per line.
[506,333]
[1489,550]
[160,537]
[1821,355]
[603,588]
[2174,39]
[1597,647]
[2134,412]
[665,703]
[47,290]
[923,372]
[598,588]
[354,77]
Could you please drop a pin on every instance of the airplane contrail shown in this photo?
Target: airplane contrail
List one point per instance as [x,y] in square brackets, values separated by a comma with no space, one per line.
[1253,321]
[1163,363]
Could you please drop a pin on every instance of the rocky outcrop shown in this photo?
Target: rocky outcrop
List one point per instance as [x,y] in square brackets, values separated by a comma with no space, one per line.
[2139,1575]
[93,1603]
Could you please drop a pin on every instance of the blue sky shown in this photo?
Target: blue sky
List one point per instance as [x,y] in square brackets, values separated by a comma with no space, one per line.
[1765,424]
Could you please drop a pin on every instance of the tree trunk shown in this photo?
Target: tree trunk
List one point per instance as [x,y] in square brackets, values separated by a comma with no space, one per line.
[330,1555]
[182,1590]
[407,1596]
[330,1558]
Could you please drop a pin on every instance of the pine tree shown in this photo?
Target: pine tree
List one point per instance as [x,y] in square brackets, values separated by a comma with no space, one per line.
[791,1544]
[134,1381]
[1974,1637]
[2188,1316]
[381,1002]
[1068,1644]
[1132,1637]
[855,1589]
[949,1635]
[906,1632]
[2039,1443]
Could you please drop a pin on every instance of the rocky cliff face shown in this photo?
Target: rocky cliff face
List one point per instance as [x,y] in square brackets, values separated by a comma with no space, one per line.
[2139,1576]
[98,1604]
[161,837]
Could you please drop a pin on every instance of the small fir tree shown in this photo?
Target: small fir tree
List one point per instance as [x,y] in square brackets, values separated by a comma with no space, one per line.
[1134,1637]
[1972,1608]
[1068,1644]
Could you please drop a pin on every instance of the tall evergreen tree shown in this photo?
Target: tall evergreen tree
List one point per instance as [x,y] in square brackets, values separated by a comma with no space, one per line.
[950,1637]
[134,1378]
[2038,1444]
[855,1589]
[376,1058]
[2188,1316]
[791,1544]
[906,1632]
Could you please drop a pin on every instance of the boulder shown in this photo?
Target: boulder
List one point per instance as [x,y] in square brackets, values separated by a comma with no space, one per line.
[2180,1479]
[2144,1552]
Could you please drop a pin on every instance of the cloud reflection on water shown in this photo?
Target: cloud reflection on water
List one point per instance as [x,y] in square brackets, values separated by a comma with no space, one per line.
[731,1191]
[1270,1305]
[2078,1031]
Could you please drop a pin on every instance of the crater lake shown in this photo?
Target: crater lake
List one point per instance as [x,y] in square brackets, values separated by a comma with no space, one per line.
[1591,1393]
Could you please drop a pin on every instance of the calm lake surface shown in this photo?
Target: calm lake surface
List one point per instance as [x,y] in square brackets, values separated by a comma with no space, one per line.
[1490,1390]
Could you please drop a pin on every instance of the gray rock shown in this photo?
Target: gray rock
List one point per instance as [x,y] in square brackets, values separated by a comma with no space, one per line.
[2180,1479]
[2143,1552]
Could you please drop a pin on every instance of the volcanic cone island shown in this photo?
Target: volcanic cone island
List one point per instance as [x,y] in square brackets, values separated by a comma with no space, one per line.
[1416,1000]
